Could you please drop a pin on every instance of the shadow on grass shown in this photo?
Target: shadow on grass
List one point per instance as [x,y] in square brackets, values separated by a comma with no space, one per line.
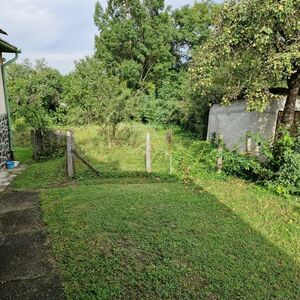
[162,242]
[151,241]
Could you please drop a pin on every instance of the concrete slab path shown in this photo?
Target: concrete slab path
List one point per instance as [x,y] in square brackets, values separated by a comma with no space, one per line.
[27,269]
[7,176]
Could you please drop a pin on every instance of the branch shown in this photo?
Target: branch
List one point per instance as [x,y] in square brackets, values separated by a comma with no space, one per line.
[279,91]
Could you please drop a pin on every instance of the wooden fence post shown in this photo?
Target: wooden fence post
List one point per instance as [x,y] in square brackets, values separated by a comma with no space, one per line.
[70,161]
[220,156]
[257,149]
[248,142]
[169,139]
[148,153]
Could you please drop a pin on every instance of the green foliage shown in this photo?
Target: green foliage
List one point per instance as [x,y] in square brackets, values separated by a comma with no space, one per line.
[193,26]
[278,168]
[21,136]
[286,164]
[34,93]
[245,166]
[149,46]
[135,41]
[198,159]
[287,180]
[94,97]
[255,47]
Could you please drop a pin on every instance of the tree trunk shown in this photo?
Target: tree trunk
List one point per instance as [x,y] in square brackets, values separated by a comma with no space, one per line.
[290,105]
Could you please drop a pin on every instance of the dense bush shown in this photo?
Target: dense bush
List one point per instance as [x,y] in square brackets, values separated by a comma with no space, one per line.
[287,179]
[278,167]
[198,159]
[244,166]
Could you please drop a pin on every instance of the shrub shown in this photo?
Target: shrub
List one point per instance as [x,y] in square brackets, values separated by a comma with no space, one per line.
[21,133]
[244,166]
[278,168]
[199,158]
[287,179]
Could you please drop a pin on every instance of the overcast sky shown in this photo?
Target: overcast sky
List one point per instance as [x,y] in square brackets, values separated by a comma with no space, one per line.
[60,31]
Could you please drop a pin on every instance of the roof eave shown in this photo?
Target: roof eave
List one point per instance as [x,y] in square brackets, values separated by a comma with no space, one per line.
[8,48]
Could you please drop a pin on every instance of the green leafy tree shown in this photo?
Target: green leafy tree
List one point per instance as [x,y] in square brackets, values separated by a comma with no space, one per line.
[193,26]
[254,54]
[135,41]
[34,92]
[94,97]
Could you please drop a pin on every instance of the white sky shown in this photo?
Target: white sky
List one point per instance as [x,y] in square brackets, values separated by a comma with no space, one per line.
[60,31]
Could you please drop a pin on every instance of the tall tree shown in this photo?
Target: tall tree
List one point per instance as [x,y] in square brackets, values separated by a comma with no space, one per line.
[135,40]
[34,91]
[94,97]
[255,51]
[193,26]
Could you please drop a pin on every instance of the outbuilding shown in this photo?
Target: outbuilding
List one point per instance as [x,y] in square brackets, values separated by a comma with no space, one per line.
[234,122]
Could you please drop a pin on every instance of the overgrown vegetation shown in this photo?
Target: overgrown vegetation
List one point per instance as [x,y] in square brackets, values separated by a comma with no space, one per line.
[127,234]
[156,65]
[276,168]
[184,231]
[138,71]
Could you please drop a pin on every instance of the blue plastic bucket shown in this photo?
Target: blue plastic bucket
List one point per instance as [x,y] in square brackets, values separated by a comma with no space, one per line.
[10,164]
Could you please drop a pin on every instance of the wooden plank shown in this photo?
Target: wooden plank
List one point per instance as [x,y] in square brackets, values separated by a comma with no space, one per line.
[84,161]
[70,161]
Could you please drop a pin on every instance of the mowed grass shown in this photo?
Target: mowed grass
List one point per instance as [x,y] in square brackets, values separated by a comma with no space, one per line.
[130,235]
[162,241]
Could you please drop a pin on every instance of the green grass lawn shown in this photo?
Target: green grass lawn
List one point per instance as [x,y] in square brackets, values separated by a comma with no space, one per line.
[129,235]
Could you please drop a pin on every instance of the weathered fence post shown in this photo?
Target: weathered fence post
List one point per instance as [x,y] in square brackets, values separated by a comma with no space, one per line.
[148,153]
[169,139]
[257,149]
[248,142]
[70,161]
[220,154]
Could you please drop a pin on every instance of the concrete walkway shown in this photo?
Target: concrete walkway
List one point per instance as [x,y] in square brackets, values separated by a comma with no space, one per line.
[27,270]
[7,176]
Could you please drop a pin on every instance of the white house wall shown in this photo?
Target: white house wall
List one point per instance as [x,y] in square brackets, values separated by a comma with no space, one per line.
[235,121]
[2,99]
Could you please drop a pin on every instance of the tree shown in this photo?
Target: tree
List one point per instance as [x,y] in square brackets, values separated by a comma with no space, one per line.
[94,97]
[135,41]
[193,26]
[34,92]
[253,54]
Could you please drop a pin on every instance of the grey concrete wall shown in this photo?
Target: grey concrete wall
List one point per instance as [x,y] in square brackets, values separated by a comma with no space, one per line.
[4,140]
[234,121]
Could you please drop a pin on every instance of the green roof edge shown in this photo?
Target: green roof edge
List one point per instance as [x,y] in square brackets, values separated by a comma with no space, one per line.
[8,48]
